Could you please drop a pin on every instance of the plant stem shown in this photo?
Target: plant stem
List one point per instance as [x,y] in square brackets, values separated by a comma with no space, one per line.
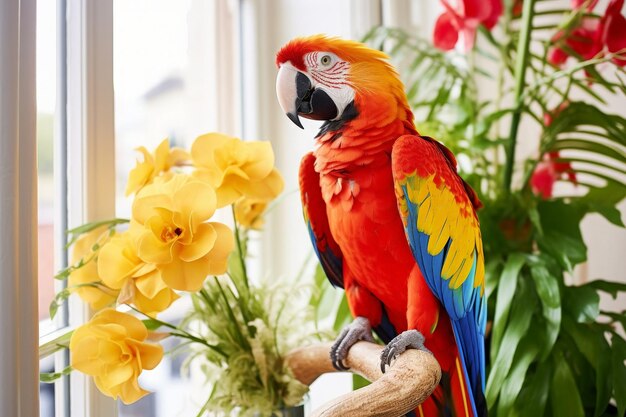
[240,249]
[523,47]
[181,333]
[502,48]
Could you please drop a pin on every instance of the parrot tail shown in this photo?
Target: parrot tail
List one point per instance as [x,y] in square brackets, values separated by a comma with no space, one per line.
[453,397]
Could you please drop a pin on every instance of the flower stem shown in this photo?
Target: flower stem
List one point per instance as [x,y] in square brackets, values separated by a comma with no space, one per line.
[180,332]
[240,249]
[523,47]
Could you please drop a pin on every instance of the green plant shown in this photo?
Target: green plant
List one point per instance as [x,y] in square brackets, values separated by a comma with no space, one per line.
[237,330]
[252,327]
[551,350]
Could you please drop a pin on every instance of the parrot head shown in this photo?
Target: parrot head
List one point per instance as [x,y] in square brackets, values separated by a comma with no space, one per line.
[332,79]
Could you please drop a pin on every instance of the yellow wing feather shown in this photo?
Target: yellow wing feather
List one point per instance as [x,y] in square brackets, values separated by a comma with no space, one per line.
[442,216]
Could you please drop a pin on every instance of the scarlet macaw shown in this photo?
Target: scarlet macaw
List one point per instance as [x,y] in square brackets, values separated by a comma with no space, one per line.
[389,217]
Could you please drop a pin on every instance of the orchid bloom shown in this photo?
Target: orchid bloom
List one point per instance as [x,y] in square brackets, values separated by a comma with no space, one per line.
[547,172]
[465,18]
[112,348]
[592,37]
[170,219]
[236,168]
[120,268]
[154,164]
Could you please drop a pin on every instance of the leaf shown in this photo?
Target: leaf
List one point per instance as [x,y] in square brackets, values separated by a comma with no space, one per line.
[604,200]
[57,343]
[610,287]
[58,299]
[88,227]
[547,286]
[618,355]
[533,398]
[152,324]
[506,290]
[578,113]
[594,347]
[616,317]
[526,353]
[492,276]
[612,214]
[564,396]
[589,146]
[562,237]
[581,303]
[53,376]
[533,215]
[519,322]
[359,382]
[343,316]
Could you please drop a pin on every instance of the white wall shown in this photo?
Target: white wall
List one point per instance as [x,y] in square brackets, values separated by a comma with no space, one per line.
[272,24]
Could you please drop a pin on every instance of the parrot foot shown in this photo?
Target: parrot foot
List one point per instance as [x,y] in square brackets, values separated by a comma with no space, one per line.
[359,329]
[405,340]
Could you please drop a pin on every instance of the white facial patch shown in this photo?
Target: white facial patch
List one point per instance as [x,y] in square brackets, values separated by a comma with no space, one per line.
[330,74]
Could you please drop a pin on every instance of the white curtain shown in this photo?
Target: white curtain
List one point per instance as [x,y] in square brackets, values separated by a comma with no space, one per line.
[19,364]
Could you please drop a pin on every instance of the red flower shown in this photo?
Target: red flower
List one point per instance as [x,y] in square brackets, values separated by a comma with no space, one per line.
[548,171]
[582,40]
[465,18]
[547,118]
[612,30]
[592,37]
[577,4]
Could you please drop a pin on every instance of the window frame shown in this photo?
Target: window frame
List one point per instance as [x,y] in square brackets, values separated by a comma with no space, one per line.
[86,123]
[90,154]
[85,148]
[18,210]
[90,145]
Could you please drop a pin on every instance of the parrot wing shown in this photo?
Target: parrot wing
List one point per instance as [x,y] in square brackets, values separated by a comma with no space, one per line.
[314,210]
[438,211]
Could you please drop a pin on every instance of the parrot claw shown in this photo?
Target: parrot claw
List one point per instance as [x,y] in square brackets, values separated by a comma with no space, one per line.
[359,329]
[409,339]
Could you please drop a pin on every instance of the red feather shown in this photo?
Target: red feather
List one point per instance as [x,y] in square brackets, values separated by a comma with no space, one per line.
[351,203]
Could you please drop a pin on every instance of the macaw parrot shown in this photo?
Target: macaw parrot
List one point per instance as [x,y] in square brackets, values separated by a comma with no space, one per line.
[389,217]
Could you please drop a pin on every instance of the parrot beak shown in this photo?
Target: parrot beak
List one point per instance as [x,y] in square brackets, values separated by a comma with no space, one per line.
[298,97]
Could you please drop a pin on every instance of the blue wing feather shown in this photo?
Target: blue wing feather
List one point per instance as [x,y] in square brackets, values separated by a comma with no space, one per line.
[463,302]
[331,263]
[314,211]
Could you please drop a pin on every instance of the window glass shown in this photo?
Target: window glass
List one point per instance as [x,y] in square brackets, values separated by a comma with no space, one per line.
[162,61]
[46,102]
[47,196]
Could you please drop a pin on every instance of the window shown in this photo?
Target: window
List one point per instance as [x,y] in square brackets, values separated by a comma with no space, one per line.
[181,69]
[47,179]
[167,85]
[75,104]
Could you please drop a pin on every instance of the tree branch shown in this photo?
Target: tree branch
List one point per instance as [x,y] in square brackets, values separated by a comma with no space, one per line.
[406,384]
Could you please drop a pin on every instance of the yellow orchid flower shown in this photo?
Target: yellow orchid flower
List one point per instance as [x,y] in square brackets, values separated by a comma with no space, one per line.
[120,268]
[236,168]
[170,218]
[96,297]
[154,165]
[249,213]
[111,347]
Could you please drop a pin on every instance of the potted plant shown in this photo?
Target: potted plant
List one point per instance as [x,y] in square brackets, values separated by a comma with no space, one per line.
[237,331]
[551,349]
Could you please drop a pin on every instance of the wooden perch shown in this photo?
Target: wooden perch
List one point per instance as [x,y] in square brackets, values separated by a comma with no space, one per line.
[406,384]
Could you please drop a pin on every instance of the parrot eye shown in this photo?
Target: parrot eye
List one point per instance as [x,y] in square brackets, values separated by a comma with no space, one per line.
[325,60]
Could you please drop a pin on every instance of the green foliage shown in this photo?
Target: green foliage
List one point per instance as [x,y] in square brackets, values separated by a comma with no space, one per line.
[53,376]
[246,366]
[551,350]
